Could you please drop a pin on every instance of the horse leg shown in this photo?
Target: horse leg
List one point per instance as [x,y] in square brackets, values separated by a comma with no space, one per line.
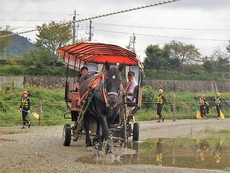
[97,139]
[105,134]
[87,136]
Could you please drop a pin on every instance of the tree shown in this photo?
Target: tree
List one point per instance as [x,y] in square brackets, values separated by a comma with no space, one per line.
[228,47]
[155,57]
[52,36]
[209,64]
[185,54]
[222,60]
[4,41]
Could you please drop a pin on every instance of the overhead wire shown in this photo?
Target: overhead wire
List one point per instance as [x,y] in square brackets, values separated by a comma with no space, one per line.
[164,36]
[95,17]
[166,28]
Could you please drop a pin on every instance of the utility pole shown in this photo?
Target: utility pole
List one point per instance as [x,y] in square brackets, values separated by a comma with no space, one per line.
[90,30]
[74,29]
[134,41]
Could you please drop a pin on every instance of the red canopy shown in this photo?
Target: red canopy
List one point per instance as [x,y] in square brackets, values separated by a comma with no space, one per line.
[98,53]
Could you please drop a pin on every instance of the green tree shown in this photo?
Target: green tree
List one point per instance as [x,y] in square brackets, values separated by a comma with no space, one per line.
[174,63]
[37,60]
[52,36]
[209,64]
[155,57]
[185,54]
[222,60]
[4,41]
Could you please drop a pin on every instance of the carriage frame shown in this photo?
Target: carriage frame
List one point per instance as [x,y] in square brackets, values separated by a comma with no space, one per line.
[85,54]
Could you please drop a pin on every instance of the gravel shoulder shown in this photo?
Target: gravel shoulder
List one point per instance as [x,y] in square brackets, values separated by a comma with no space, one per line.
[40,149]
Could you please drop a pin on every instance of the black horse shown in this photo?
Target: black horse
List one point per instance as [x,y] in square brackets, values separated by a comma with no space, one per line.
[105,102]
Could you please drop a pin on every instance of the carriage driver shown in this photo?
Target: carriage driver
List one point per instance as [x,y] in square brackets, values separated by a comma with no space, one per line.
[129,90]
[84,70]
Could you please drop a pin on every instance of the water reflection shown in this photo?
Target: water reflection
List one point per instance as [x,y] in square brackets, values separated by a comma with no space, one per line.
[159,154]
[210,153]
[203,147]
[218,150]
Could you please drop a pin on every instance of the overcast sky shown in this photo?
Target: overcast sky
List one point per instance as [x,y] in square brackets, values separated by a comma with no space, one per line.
[204,23]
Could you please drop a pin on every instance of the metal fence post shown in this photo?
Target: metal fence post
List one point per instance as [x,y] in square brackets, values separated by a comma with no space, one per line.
[174,106]
[39,111]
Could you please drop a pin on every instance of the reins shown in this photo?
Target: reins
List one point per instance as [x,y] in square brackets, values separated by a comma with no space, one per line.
[92,85]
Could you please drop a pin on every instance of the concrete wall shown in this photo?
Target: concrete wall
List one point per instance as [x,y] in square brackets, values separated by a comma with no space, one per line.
[18,81]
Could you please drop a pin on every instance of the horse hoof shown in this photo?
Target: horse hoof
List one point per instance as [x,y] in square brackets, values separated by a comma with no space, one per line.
[89,145]
[98,146]
[108,149]
[108,152]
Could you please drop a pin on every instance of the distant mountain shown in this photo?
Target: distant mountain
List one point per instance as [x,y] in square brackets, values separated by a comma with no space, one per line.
[19,46]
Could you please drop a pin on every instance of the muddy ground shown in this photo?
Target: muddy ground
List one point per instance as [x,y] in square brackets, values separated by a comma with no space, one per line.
[40,149]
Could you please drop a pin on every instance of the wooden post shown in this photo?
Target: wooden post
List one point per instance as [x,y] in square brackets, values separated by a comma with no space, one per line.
[174,106]
[39,111]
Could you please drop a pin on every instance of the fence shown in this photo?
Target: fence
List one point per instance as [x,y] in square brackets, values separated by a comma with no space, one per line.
[168,85]
[51,112]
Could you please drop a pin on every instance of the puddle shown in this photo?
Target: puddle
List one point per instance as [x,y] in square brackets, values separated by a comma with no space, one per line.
[210,153]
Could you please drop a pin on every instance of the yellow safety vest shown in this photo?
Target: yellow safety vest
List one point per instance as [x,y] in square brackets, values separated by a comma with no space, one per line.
[217,100]
[159,99]
[24,103]
[201,101]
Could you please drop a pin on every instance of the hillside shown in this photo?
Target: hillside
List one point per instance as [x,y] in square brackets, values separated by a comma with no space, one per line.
[19,46]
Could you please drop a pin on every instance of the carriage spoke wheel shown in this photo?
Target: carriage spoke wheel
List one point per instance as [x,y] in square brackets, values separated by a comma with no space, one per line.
[66,135]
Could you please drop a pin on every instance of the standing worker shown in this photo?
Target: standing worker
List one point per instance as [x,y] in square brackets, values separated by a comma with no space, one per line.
[25,108]
[204,107]
[160,100]
[218,101]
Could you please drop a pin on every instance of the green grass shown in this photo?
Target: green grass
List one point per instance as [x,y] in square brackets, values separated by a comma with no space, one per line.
[213,131]
[54,106]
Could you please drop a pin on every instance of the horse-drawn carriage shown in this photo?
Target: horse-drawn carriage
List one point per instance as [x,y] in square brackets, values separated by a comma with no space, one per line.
[101,93]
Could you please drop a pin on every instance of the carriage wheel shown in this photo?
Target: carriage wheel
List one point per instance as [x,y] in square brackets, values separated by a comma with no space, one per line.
[66,135]
[136,128]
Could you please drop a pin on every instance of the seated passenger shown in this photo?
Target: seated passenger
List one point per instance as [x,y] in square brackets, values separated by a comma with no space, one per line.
[84,70]
[130,88]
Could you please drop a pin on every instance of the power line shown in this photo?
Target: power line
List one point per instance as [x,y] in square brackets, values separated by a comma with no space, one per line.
[99,16]
[163,36]
[166,28]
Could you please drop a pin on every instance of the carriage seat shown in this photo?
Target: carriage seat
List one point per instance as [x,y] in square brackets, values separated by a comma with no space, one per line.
[74,99]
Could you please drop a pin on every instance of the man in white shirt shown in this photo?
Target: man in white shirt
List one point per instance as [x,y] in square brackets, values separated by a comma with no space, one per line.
[129,90]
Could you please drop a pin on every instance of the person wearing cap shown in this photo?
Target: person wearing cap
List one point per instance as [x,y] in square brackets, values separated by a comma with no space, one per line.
[130,87]
[204,106]
[25,108]
[84,70]
[160,100]
[218,101]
